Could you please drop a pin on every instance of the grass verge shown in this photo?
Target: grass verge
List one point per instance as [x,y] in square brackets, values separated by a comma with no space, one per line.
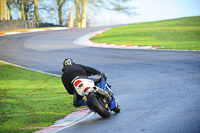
[30,100]
[182,33]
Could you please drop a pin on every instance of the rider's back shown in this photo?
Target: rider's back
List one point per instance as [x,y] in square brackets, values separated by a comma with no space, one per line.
[72,71]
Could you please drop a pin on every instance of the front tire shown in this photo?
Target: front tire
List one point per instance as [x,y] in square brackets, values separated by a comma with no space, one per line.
[95,103]
[117,108]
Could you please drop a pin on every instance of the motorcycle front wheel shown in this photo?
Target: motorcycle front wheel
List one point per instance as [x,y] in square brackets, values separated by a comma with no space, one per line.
[97,104]
[117,108]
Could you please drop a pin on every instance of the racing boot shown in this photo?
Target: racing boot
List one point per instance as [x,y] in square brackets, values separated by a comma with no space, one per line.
[78,102]
[82,102]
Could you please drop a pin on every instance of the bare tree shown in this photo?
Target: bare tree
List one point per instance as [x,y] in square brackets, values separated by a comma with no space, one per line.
[36,11]
[3,10]
[9,3]
[20,5]
[49,9]
[71,19]
[24,6]
[60,4]
[81,6]
[78,13]
[84,14]
[114,5]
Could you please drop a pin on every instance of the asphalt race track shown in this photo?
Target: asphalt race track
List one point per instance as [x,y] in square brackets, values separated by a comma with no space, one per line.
[158,91]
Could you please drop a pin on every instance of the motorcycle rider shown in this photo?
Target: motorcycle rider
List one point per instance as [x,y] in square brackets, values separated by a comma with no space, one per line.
[72,70]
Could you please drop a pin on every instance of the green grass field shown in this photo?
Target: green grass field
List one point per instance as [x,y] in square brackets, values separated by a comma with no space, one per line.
[182,33]
[30,100]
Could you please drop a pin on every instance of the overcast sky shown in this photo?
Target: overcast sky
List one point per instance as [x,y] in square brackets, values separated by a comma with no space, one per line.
[152,10]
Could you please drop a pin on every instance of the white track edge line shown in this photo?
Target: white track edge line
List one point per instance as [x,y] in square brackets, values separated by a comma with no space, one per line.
[31,69]
[101,31]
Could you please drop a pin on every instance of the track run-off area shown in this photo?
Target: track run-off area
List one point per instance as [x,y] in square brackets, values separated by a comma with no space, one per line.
[158,90]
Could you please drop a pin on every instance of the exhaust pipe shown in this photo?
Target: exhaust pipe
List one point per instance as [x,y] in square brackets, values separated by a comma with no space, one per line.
[101,91]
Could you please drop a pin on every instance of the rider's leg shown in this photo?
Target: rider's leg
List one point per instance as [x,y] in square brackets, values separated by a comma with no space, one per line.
[76,99]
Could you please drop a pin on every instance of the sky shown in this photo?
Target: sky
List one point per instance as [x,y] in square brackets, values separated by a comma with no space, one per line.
[147,10]
[152,10]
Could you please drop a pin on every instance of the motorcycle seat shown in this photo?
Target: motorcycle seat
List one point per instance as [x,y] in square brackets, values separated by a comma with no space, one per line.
[95,78]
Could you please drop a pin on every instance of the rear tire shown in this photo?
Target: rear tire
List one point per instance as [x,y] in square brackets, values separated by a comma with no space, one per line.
[94,103]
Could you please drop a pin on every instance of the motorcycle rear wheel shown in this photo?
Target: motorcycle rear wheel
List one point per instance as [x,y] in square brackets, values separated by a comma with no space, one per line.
[95,103]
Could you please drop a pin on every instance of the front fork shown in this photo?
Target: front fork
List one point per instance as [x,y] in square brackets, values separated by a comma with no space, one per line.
[112,104]
[106,87]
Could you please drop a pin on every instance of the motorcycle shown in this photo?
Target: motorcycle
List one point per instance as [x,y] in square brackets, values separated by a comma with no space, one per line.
[100,97]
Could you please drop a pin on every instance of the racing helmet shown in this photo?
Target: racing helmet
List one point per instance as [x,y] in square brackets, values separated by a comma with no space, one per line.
[68,62]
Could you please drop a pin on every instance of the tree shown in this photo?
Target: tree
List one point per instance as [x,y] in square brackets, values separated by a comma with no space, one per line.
[78,13]
[9,3]
[71,19]
[22,10]
[3,10]
[60,4]
[84,15]
[121,6]
[24,6]
[114,5]
[20,5]
[56,11]
[81,6]
[29,10]
[36,11]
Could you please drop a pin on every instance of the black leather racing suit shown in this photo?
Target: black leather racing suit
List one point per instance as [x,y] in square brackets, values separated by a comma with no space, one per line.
[72,71]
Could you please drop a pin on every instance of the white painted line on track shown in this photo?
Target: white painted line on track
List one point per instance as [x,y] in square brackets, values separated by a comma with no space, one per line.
[34,30]
[12,33]
[31,69]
